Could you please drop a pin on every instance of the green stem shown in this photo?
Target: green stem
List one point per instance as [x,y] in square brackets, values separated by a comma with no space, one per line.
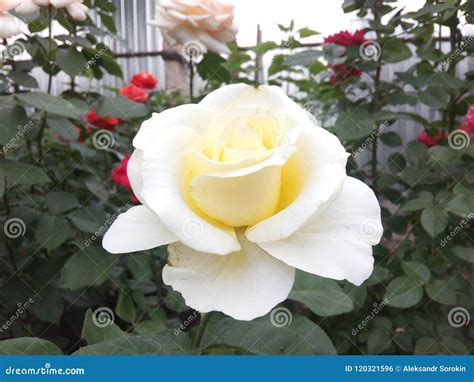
[191,78]
[201,329]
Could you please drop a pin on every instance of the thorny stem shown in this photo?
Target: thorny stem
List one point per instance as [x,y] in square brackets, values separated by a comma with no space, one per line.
[191,78]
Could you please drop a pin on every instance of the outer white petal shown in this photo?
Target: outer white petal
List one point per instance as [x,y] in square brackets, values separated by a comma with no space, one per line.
[137,229]
[337,241]
[320,162]
[190,115]
[8,26]
[78,11]
[272,97]
[134,174]
[27,7]
[163,170]
[8,5]
[243,285]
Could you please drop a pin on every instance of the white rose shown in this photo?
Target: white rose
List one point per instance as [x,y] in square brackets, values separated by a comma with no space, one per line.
[8,24]
[246,188]
[210,22]
[75,8]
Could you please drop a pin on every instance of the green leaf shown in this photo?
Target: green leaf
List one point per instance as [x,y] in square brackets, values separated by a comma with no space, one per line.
[71,61]
[49,104]
[61,201]
[63,128]
[323,296]
[307,32]
[391,139]
[110,65]
[212,68]
[165,343]
[88,219]
[434,220]
[303,58]
[121,107]
[13,125]
[441,291]
[395,50]
[354,124]
[99,326]
[108,21]
[140,267]
[90,266]
[396,163]
[125,307]
[28,346]
[465,253]
[49,305]
[378,341]
[403,292]
[264,47]
[23,173]
[423,200]
[436,98]
[51,231]
[417,270]
[461,205]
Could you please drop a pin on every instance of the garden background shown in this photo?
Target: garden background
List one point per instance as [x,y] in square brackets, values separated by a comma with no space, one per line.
[397,91]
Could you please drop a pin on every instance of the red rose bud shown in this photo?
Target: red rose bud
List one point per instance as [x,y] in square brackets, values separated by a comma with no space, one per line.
[107,123]
[432,141]
[346,39]
[144,80]
[120,177]
[134,93]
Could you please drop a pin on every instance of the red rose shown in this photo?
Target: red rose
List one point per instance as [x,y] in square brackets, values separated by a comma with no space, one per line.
[134,93]
[346,39]
[107,123]
[432,141]
[144,80]
[343,73]
[120,177]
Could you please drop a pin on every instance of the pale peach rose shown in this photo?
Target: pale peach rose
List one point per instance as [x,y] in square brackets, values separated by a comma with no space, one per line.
[8,24]
[210,22]
[75,8]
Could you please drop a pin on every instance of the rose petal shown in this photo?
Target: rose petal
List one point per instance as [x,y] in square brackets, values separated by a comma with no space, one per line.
[337,241]
[164,172]
[137,229]
[311,177]
[243,285]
